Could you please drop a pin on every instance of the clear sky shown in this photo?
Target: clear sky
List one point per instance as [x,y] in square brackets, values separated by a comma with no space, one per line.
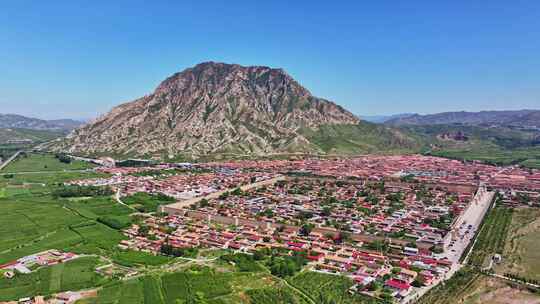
[79,58]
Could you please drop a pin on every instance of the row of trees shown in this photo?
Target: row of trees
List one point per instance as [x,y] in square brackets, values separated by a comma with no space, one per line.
[81,191]
[63,158]
[169,250]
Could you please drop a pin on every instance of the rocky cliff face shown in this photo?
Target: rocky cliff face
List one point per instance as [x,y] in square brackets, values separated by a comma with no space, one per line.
[212,108]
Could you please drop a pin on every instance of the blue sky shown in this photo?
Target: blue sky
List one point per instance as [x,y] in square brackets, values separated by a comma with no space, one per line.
[80,58]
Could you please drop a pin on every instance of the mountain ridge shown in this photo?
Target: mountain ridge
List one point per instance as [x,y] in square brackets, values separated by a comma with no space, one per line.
[24,122]
[520,118]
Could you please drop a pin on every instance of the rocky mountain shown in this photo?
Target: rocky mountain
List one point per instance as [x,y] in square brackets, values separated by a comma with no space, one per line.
[520,118]
[214,108]
[23,122]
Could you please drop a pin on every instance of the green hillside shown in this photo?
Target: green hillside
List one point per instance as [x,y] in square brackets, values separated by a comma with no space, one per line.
[360,139]
[496,145]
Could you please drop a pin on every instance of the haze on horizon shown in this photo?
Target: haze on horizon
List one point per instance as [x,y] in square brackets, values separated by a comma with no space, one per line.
[75,59]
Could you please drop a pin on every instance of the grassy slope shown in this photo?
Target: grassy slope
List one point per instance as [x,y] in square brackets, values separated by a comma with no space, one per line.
[361,138]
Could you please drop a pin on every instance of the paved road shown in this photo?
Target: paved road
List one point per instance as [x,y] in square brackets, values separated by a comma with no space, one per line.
[473,216]
[4,164]
[117,198]
[466,226]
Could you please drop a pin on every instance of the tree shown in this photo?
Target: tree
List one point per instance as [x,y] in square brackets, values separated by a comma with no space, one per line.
[306,229]
[326,211]
[63,158]
[143,230]
[237,191]
[200,298]
[203,203]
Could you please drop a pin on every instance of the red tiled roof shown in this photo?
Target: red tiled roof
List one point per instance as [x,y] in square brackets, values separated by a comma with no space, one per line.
[397,284]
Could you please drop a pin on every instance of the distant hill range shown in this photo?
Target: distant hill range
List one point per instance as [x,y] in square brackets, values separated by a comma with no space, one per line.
[228,109]
[383,118]
[23,122]
[27,136]
[520,118]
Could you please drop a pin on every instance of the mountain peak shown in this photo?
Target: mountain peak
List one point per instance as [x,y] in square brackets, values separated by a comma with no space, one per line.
[210,108]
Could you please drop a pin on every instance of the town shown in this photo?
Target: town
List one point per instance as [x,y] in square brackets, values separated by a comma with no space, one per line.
[402,223]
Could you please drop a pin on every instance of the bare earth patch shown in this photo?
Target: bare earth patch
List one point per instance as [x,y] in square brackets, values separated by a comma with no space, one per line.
[522,251]
[496,291]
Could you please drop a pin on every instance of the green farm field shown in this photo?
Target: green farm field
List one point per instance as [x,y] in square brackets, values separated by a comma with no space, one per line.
[34,221]
[200,286]
[145,202]
[326,288]
[34,162]
[73,275]
[44,178]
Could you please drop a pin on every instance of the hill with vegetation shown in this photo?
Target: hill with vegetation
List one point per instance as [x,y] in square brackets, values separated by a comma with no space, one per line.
[496,145]
[521,118]
[23,122]
[13,135]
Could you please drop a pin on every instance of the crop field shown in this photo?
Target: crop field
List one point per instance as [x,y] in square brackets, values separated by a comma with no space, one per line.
[145,202]
[166,289]
[201,286]
[34,162]
[26,219]
[326,288]
[521,255]
[45,178]
[492,236]
[131,258]
[33,223]
[272,295]
[73,275]
[190,285]
[100,206]
[97,239]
